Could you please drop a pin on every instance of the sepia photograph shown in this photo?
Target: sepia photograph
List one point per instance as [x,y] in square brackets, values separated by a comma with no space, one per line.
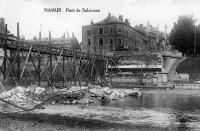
[100,65]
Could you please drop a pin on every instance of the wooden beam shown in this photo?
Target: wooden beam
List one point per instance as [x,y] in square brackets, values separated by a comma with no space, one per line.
[45,70]
[57,60]
[25,63]
[64,79]
[59,68]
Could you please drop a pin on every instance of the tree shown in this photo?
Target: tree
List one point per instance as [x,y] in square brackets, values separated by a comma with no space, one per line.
[182,34]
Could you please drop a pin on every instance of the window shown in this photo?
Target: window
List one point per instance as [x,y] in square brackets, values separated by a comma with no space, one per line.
[119,41]
[119,29]
[89,42]
[100,30]
[100,41]
[111,41]
[111,30]
[111,44]
[126,32]
[88,32]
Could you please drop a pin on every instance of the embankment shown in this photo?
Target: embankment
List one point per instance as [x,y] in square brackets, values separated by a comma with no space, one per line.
[191,66]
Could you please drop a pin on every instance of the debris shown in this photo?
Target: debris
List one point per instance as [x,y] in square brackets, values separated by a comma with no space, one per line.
[39,90]
[85,95]
[74,95]
[23,96]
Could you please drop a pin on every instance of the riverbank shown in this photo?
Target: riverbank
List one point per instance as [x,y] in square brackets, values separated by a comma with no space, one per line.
[129,85]
[98,117]
[188,86]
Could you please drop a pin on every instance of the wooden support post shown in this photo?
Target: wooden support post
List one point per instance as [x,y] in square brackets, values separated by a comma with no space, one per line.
[45,70]
[25,63]
[59,68]
[18,65]
[51,64]
[11,71]
[45,65]
[57,61]
[18,54]
[32,60]
[70,67]
[63,71]
[79,73]
[5,54]
[74,68]
[39,66]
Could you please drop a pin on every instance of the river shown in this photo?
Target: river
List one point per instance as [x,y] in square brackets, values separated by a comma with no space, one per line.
[182,103]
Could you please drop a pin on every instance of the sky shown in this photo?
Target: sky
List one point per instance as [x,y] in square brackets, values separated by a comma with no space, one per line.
[32,17]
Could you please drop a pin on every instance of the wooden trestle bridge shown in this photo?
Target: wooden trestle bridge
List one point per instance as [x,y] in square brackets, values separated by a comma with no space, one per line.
[26,62]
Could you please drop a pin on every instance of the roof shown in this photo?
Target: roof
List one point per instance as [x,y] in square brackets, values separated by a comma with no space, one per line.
[70,42]
[109,19]
[113,19]
[74,43]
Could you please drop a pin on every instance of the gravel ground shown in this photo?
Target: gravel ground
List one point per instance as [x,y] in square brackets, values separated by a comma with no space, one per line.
[82,117]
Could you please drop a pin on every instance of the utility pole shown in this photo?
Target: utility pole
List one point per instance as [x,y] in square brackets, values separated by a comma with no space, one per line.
[195,39]
[165,36]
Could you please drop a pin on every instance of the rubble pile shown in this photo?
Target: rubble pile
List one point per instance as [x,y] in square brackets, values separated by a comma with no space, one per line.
[112,94]
[73,95]
[22,95]
[92,93]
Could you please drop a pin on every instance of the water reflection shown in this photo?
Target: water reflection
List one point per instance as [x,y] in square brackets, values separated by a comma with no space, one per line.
[180,100]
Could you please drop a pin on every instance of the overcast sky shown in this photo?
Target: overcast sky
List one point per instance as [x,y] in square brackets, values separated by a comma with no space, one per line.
[30,14]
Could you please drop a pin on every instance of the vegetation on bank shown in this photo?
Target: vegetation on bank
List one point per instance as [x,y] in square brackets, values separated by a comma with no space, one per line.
[190,66]
[185,35]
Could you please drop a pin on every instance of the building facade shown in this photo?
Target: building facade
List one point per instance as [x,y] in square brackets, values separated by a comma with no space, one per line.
[156,39]
[111,35]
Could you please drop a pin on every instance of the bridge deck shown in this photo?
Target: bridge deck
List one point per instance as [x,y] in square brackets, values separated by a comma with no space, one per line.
[13,44]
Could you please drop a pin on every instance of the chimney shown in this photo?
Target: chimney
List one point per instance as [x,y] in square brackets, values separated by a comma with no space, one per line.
[18,30]
[109,14]
[121,17]
[50,37]
[23,37]
[2,20]
[40,36]
[6,30]
[91,22]
[34,38]
[126,21]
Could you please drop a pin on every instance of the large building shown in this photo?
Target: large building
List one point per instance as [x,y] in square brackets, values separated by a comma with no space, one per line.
[157,39]
[112,34]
